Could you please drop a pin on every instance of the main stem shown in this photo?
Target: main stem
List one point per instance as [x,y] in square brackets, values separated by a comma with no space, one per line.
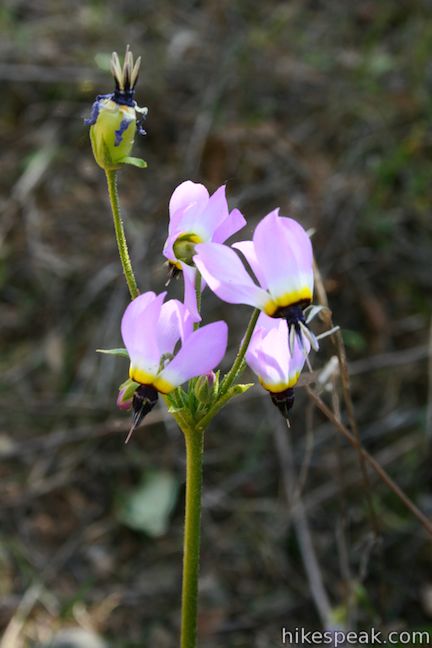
[192,535]
[111,177]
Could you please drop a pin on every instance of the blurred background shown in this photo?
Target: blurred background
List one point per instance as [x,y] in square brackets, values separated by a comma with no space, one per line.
[320,107]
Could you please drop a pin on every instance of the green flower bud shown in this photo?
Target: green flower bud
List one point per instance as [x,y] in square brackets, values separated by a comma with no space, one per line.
[206,387]
[126,393]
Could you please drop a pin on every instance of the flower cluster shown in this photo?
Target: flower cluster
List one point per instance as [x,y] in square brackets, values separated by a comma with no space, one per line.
[273,272]
[165,344]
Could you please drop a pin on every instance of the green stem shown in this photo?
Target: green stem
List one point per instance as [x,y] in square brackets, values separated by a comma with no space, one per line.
[198,295]
[111,177]
[238,362]
[192,532]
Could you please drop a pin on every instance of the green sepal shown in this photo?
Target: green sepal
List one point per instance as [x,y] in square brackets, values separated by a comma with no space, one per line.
[133,161]
[205,390]
[130,387]
[117,352]
[183,416]
[237,390]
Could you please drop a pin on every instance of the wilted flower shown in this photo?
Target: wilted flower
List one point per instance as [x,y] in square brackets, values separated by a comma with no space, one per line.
[151,331]
[115,117]
[280,256]
[270,357]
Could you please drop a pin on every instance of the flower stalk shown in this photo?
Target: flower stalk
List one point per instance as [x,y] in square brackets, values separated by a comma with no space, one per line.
[238,362]
[194,439]
[198,295]
[111,177]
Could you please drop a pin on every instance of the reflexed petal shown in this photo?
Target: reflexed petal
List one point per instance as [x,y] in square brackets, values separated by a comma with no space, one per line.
[226,275]
[301,243]
[202,351]
[186,194]
[215,213]
[139,331]
[268,354]
[168,250]
[267,323]
[269,357]
[247,248]
[200,222]
[234,222]
[178,224]
[285,258]
[175,323]
[190,300]
[132,315]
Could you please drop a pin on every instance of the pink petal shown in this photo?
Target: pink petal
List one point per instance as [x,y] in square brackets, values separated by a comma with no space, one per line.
[202,351]
[267,323]
[174,323]
[139,331]
[284,254]
[226,275]
[300,242]
[269,356]
[200,222]
[216,212]
[168,250]
[247,248]
[234,222]
[190,300]
[186,194]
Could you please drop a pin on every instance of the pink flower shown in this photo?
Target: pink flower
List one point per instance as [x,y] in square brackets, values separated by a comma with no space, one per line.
[196,217]
[151,331]
[270,357]
[281,258]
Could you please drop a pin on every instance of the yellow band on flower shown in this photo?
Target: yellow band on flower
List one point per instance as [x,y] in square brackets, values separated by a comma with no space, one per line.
[280,387]
[140,376]
[288,299]
[163,386]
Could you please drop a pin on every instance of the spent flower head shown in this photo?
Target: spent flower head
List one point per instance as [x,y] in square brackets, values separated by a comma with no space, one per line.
[116,117]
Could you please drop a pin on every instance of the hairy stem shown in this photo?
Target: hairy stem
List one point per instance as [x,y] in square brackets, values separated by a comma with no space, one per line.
[192,533]
[111,177]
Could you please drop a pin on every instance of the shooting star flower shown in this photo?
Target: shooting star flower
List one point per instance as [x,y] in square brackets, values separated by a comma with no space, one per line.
[280,256]
[270,357]
[116,117]
[151,331]
[197,217]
